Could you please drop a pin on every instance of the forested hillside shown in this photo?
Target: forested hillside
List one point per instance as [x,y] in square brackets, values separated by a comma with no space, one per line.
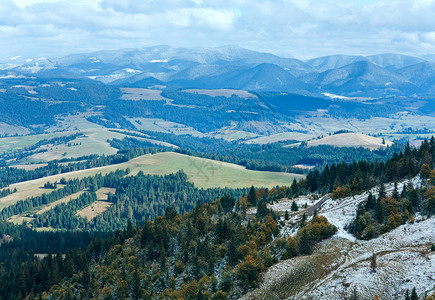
[210,252]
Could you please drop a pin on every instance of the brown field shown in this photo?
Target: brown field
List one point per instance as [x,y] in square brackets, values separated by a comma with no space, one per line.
[29,167]
[103,193]
[19,220]
[93,210]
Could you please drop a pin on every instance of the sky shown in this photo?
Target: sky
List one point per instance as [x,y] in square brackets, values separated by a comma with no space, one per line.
[290,28]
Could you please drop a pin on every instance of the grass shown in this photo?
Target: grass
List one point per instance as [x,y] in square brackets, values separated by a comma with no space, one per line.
[136,94]
[283,136]
[289,277]
[351,140]
[160,125]
[94,141]
[221,93]
[204,173]
[93,210]
[8,144]
[89,212]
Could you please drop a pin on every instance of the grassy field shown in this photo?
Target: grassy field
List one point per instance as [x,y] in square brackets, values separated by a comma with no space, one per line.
[66,199]
[221,93]
[136,94]
[231,135]
[160,125]
[93,141]
[11,129]
[349,140]
[93,210]
[204,173]
[8,144]
[283,136]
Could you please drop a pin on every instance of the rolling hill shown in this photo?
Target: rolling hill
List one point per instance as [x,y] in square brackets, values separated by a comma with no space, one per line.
[350,140]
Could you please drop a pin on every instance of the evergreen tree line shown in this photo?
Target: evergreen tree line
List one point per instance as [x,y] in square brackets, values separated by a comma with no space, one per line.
[347,179]
[20,243]
[24,276]
[5,192]
[381,214]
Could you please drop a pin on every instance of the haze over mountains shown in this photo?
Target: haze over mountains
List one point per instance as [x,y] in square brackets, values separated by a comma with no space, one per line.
[380,75]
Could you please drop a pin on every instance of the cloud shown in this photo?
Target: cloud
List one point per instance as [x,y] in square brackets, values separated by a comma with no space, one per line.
[299,28]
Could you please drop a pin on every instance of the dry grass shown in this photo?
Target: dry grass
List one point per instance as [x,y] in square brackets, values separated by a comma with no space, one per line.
[349,140]
[19,220]
[285,279]
[283,136]
[103,193]
[93,210]
[28,189]
[30,167]
[94,141]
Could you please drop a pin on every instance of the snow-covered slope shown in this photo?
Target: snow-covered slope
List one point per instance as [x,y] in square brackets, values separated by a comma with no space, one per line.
[342,264]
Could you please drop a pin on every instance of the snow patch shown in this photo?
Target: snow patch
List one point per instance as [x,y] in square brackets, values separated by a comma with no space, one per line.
[159,60]
[333,96]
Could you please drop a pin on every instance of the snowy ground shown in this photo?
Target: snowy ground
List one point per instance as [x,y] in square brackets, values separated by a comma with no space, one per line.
[342,264]
[403,261]
[341,212]
[285,204]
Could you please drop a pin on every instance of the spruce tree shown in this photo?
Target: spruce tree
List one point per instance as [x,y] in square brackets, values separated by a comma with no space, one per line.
[354,295]
[379,212]
[414,295]
[382,193]
[304,243]
[371,201]
[252,197]
[294,206]
[395,194]
[303,220]
[295,188]
[262,210]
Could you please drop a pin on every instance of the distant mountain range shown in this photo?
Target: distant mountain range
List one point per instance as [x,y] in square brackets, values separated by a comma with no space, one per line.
[380,75]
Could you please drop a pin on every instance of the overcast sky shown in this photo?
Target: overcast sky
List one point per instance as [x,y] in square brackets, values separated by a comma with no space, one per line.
[291,28]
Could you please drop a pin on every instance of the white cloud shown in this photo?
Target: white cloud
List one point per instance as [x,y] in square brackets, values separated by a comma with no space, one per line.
[299,28]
